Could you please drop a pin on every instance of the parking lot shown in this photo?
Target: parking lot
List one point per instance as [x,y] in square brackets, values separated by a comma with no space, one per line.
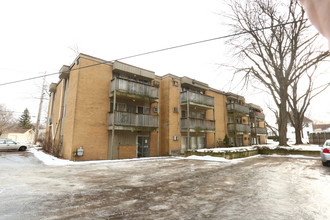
[164,188]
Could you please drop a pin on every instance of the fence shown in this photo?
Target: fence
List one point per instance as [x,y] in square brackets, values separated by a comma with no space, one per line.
[319,137]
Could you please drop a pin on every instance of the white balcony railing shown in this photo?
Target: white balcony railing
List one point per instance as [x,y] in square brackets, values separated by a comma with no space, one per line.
[133,120]
[259,130]
[133,88]
[239,128]
[196,98]
[197,124]
[238,108]
[257,115]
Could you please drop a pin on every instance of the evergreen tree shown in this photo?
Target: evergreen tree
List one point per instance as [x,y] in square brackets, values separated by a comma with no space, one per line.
[25,120]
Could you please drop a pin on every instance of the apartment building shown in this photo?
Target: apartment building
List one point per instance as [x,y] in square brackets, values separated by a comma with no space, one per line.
[246,122]
[113,110]
[258,127]
[192,115]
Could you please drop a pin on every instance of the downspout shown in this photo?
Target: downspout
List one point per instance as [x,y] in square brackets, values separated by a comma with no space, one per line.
[215,126]
[113,121]
[188,122]
[158,134]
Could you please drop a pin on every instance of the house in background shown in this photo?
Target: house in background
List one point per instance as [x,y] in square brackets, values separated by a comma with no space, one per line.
[20,135]
[320,135]
[321,127]
[113,110]
[307,129]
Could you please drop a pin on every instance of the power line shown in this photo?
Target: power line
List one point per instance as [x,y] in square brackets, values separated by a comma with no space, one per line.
[159,50]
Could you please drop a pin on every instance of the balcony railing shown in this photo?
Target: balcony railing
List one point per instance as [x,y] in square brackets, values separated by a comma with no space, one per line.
[259,130]
[257,115]
[196,98]
[239,128]
[197,124]
[133,88]
[238,108]
[133,120]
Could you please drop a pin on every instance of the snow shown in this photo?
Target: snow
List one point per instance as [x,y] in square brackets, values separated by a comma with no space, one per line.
[208,158]
[227,149]
[54,161]
[291,156]
[219,159]
[270,145]
[292,146]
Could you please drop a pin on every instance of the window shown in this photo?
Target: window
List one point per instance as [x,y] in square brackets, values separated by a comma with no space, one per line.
[155,109]
[156,83]
[111,107]
[144,81]
[193,114]
[121,107]
[175,109]
[140,109]
[131,109]
[175,83]
[183,113]
[146,110]
[184,89]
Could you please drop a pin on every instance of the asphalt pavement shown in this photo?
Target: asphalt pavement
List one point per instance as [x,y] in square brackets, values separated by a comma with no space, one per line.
[170,188]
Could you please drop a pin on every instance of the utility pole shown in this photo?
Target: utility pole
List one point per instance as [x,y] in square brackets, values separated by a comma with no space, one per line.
[36,134]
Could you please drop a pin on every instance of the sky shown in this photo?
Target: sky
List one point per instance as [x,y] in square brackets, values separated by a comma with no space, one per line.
[39,36]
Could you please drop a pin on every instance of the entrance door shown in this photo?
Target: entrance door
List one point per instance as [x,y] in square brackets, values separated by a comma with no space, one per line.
[143,146]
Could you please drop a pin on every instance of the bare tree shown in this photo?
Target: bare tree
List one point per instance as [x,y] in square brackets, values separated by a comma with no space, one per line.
[272,128]
[6,119]
[277,49]
[299,103]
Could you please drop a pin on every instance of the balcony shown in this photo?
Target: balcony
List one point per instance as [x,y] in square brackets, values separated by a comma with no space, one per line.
[137,90]
[196,99]
[259,131]
[197,125]
[234,107]
[239,128]
[131,121]
[257,115]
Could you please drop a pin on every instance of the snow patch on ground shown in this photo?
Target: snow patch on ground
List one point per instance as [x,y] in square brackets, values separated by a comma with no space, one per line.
[54,161]
[292,146]
[291,156]
[219,159]
[270,145]
[228,149]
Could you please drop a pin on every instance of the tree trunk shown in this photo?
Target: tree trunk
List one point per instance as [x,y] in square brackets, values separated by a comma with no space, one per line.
[283,117]
[298,130]
[282,126]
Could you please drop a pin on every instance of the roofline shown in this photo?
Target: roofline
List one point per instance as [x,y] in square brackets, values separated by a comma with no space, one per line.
[89,57]
[133,66]
[170,75]
[217,91]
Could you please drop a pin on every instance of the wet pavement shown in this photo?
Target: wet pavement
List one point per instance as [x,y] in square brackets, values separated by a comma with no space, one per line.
[172,188]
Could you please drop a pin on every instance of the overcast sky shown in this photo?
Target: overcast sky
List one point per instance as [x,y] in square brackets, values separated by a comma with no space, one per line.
[41,36]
